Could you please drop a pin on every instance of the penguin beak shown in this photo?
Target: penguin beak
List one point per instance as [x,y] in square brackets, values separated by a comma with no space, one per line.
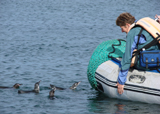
[39,81]
[79,82]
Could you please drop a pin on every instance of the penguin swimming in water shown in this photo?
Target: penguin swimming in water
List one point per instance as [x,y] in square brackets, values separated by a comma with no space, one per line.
[16,86]
[72,87]
[36,89]
[51,93]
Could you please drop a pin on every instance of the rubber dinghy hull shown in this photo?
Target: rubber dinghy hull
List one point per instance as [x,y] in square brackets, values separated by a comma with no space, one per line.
[142,86]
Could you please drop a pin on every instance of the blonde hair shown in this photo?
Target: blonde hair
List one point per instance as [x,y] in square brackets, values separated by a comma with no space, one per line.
[124,18]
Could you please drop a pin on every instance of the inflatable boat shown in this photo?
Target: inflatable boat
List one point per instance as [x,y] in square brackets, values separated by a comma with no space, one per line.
[142,86]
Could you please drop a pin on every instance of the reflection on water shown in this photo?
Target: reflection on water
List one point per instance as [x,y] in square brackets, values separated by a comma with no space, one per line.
[102,104]
[120,109]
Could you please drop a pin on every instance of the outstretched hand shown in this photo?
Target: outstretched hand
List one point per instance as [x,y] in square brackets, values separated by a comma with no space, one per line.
[120,88]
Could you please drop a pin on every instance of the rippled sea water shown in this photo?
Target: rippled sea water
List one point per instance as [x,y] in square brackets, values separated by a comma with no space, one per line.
[52,41]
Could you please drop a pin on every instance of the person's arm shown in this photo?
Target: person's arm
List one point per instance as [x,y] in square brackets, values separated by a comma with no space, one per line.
[126,60]
[125,64]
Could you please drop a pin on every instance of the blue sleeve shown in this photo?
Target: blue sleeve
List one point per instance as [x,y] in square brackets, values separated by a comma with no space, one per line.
[122,76]
[126,60]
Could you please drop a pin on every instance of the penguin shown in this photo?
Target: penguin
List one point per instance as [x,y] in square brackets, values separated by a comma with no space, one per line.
[36,89]
[15,86]
[74,86]
[51,93]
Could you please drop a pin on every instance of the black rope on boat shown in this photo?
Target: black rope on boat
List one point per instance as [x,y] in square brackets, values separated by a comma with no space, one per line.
[114,48]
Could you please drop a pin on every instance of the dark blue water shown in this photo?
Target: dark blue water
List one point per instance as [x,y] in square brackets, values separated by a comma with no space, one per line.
[52,41]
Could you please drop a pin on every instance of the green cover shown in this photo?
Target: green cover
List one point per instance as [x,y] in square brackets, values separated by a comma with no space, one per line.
[100,55]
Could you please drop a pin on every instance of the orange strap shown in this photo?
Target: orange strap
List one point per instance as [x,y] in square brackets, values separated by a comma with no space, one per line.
[150,25]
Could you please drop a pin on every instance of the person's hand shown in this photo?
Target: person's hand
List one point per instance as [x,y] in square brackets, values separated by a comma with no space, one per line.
[157,16]
[120,88]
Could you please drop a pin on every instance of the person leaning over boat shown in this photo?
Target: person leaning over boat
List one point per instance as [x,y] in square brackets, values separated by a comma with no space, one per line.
[125,21]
